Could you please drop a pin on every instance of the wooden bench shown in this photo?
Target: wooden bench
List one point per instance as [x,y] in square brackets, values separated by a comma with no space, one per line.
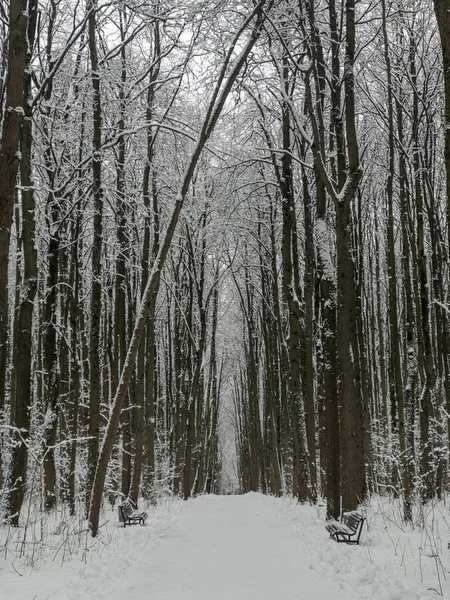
[131,516]
[349,531]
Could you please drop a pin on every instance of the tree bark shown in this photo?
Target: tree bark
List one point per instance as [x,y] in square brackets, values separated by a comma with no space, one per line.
[23,342]
[350,394]
[12,120]
[442,11]
[426,406]
[11,126]
[96,263]
[325,274]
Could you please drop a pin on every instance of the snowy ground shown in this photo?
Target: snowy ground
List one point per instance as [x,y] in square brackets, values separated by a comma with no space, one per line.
[231,548]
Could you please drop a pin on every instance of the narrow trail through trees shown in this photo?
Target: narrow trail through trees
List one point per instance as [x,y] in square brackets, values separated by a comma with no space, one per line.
[231,548]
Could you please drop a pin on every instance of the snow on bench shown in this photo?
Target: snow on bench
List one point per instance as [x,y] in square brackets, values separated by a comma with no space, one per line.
[349,531]
[131,516]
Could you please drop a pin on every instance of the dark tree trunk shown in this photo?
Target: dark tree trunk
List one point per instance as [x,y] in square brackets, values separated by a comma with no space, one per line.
[23,398]
[96,291]
[350,393]
[426,406]
[396,393]
[325,273]
[120,307]
[442,11]
[12,119]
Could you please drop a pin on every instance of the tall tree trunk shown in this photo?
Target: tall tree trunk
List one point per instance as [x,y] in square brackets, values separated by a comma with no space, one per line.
[361,309]
[212,400]
[349,388]
[396,393]
[325,276]
[308,365]
[96,263]
[12,120]
[75,363]
[51,309]
[406,406]
[301,464]
[23,342]
[195,401]
[442,11]
[146,367]
[51,357]
[268,275]
[426,406]
[120,309]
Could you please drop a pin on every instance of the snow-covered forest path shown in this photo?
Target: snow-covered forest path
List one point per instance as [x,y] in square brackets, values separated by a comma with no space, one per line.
[250,547]
[231,548]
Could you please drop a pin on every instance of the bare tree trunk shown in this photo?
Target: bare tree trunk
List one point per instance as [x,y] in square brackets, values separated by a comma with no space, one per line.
[195,399]
[325,278]
[51,309]
[349,389]
[406,406]
[442,11]
[12,120]
[353,472]
[301,463]
[75,363]
[269,288]
[23,396]
[292,372]
[212,400]
[253,435]
[96,292]
[308,369]
[3,371]
[145,422]
[76,318]
[51,358]
[363,345]
[426,406]
[441,322]
[396,393]
[120,309]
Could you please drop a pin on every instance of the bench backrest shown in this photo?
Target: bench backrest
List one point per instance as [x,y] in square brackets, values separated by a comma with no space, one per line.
[353,520]
[127,507]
